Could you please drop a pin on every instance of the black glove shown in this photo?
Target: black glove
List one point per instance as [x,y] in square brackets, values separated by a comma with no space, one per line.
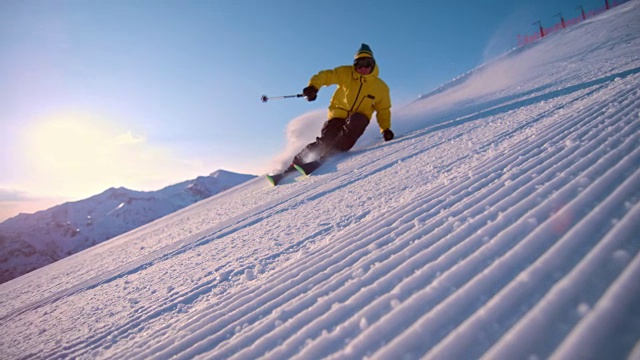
[310,92]
[387,134]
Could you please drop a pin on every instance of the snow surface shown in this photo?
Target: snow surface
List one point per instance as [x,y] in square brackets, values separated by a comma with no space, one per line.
[502,223]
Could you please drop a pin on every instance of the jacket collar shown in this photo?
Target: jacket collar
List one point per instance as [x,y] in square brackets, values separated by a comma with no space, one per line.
[373,74]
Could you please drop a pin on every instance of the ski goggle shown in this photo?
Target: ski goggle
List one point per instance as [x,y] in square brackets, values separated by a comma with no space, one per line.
[365,62]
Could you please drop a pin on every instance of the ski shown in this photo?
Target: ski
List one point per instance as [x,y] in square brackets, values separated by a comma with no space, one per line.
[274,179]
[307,168]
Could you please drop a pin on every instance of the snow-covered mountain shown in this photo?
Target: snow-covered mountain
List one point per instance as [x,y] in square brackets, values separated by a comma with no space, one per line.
[502,223]
[30,241]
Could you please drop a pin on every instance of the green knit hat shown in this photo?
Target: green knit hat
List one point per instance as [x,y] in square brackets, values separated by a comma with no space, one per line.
[364,51]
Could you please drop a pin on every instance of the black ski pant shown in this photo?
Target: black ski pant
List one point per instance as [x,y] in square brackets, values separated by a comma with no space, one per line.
[337,135]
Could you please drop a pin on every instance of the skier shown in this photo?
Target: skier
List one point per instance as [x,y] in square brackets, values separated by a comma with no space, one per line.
[359,93]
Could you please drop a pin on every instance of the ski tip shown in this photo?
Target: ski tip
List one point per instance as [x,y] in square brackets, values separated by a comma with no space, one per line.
[301,170]
[308,168]
[272,180]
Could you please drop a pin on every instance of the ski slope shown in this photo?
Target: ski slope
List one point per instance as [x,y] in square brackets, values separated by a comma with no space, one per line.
[502,223]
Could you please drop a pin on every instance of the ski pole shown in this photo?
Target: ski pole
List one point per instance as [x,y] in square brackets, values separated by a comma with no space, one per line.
[265,98]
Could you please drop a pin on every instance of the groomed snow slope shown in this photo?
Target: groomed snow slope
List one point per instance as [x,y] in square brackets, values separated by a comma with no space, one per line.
[503,223]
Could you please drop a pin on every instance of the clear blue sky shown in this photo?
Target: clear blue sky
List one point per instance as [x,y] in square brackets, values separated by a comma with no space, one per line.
[146,93]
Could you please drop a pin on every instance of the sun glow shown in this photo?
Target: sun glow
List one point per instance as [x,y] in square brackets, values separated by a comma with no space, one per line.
[78,156]
[69,144]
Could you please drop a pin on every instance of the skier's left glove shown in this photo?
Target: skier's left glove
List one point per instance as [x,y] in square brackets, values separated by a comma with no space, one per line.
[387,134]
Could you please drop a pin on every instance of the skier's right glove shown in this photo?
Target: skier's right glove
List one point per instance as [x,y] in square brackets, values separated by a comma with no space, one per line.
[387,134]
[310,92]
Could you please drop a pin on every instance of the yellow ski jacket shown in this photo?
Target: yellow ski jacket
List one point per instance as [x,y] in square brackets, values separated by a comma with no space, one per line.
[356,93]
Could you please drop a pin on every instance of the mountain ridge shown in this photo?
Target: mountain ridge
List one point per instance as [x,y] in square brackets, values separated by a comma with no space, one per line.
[30,241]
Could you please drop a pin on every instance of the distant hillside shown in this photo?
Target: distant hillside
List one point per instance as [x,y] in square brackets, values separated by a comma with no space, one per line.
[31,241]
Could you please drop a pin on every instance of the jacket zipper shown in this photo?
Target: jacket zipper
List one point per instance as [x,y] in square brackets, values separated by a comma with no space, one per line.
[356,99]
